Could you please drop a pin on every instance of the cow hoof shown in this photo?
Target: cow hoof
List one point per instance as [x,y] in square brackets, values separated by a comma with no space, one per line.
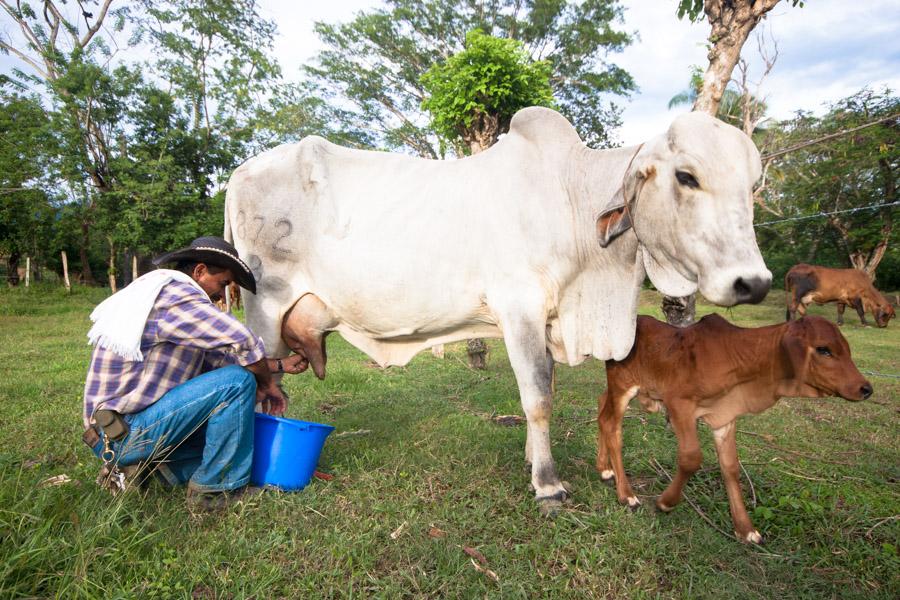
[568,487]
[753,537]
[549,506]
[608,475]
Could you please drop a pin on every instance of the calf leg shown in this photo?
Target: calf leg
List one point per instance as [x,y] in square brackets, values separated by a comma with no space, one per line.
[689,455]
[610,418]
[726,449]
[604,467]
[840,312]
[304,329]
[858,305]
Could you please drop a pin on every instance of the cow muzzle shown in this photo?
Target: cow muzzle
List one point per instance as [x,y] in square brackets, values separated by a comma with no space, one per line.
[751,290]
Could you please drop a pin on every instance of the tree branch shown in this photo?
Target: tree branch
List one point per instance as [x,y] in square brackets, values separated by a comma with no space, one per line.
[31,63]
[96,27]
[830,136]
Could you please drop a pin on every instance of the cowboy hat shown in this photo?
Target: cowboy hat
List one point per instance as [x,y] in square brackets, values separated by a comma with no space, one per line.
[213,250]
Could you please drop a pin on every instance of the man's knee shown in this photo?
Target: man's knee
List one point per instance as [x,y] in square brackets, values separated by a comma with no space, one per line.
[240,377]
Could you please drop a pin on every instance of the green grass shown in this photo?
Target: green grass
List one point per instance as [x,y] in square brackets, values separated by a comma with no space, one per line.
[825,473]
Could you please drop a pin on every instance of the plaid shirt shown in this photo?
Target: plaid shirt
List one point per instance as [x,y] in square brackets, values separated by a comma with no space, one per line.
[185,336]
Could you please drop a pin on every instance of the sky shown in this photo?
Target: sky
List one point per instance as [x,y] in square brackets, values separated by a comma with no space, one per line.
[828,50]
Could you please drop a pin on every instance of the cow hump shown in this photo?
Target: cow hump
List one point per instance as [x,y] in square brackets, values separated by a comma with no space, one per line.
[543,125]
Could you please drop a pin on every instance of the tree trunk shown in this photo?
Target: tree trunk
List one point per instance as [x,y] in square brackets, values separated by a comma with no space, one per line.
[477,351]
[12,268]
[112,267]
[86,275]
[65,266]
[680,311]
[731,22]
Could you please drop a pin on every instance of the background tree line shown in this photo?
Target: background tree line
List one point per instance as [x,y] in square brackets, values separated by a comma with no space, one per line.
[111,158]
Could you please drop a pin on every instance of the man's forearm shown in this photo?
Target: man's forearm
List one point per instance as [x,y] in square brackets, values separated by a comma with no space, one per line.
[262,372]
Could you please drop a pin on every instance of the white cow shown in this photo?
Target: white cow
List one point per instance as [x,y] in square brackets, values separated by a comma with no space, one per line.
[400,253]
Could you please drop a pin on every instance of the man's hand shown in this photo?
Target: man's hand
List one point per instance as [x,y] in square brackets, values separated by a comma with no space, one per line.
[293,364]
[272,399]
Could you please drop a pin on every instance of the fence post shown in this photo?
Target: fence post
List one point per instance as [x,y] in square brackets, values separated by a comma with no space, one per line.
[27,270]
[66,272]
[134,274]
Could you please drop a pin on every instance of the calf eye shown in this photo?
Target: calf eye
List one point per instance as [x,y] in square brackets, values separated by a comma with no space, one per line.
[685,178]
[823,350]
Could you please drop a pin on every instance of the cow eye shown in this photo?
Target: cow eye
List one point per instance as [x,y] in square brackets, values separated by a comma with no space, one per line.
[823,350]
[685,178]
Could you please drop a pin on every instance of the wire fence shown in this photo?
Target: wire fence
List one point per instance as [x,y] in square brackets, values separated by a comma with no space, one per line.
[820,215]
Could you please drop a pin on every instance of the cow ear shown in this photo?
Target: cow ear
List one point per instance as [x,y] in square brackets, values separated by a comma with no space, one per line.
[612,223]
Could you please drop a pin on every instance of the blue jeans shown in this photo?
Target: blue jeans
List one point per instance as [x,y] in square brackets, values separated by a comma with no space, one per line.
[200,431]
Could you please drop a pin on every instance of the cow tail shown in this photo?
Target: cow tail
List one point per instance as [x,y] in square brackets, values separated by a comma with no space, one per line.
[226,233]
[788,292]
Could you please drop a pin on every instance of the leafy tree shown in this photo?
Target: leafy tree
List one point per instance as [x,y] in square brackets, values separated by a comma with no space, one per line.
[26,212]
[474,93]
[373,65]
[844,172]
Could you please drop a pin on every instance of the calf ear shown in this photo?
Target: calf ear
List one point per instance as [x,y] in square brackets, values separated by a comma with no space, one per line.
[795,357]
[612,223]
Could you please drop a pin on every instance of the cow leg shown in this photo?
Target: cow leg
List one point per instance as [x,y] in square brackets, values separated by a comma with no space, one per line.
[525,338]
[551,365]
[610,418]
[726,449]
[858,305]
[690,456]
[840,312]
[304,329]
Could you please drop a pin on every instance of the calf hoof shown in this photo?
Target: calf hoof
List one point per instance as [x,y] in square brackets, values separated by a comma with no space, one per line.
[632,502]
[549,506]
[662,506]
[608,476]
[751,537]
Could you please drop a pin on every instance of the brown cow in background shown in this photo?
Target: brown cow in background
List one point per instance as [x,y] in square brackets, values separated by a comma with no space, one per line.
[234,292]
[805,284]
[717,372]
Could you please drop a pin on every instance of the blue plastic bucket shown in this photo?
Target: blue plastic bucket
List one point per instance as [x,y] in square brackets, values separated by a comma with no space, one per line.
[286,451]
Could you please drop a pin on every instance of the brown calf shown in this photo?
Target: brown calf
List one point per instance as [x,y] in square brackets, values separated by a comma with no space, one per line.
[805,284]
[717,372]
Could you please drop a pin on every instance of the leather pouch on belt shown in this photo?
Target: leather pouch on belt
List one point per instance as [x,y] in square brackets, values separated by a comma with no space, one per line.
[112,423]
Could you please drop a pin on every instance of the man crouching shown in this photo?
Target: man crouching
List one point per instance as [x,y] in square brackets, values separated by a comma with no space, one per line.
[173,381]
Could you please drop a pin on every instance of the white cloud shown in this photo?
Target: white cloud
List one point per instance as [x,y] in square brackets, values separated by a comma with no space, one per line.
[828,49]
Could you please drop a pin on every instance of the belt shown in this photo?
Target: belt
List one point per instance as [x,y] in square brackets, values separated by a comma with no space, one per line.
[90,437]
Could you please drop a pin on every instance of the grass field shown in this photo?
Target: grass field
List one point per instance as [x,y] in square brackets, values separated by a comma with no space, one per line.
[437,473]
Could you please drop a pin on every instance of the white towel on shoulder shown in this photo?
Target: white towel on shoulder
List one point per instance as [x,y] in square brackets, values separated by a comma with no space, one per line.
[120,319]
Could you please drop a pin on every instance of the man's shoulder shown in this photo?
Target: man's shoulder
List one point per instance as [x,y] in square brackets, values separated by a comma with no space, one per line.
[176,292]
